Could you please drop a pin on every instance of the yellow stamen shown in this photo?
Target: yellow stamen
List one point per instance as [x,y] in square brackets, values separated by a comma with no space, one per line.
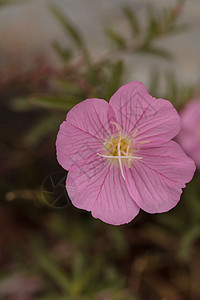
[117,126]
[135,132]
[144,142]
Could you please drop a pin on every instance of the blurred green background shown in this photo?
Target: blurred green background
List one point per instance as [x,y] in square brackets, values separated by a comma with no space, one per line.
[49,249]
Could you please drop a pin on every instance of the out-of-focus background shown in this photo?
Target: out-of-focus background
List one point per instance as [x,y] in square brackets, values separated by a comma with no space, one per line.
[27,31]
[54,54]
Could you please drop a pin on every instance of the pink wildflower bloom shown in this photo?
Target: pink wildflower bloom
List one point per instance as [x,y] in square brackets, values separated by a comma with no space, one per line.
[120,155]
[189,137]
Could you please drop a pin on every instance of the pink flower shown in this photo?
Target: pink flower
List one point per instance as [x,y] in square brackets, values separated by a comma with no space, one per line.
[189,137]
[120,155]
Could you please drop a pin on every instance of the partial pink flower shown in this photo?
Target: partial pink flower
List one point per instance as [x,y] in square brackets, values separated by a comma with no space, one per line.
[120,155]
[189,137]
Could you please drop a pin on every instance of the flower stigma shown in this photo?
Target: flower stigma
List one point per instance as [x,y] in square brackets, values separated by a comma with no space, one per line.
[121,148]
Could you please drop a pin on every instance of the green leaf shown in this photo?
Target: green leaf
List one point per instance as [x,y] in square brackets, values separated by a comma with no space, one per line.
[46,101]
[157,51]
[76,38]
[154,82]
[116,38]
[180,93]
[171,222]
[68,26]
[154,26]
[9,2]
[54,271]
[70,88]
[40,130]
[162,24]
[188,239]
[172,85]
[64,53]
[52,102]
[21,104]
[115,75]
[132,19]
[86,275]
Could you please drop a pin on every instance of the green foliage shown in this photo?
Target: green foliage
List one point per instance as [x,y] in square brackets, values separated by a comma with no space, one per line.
[79,276]
[159,24]
[84,77]
[47,101]
[117,39]
[133,20]
[68,27]
[75,37]
[9,2]
[40,130]
[64,53]
[178,93]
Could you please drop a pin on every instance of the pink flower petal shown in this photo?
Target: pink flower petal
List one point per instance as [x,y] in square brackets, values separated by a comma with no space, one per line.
[155,182]
[190,115]
[84,130]
[154,119]
[73,144]
[93,116]
[189,137]
[101,190]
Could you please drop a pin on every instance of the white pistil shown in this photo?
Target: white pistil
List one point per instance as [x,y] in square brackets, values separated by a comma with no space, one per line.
[119,158]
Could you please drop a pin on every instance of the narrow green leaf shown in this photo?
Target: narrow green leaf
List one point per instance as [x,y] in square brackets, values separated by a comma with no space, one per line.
[64,53]
[53,270]
[188,239]
[154,24]
[116,38]
[21,104]
[68,26]
[132,19]
[172,85]
[154,82]
[71,89]
[89,276]
[52,102]
[10,2]
[76,38]
[40,130]
[157,51]
[78,266]
[116,72]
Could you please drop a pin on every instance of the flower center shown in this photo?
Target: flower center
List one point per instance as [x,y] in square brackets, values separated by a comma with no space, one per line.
[121,148]
[118,144]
